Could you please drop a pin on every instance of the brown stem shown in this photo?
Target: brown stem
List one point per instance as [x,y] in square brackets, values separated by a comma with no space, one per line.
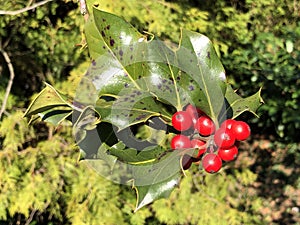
[30,217]
[83,9]
[10,82]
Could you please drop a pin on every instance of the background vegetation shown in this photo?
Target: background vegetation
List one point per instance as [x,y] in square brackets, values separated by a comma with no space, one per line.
[41,181]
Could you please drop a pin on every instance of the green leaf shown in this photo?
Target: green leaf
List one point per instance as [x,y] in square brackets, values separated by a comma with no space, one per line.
[155,132]
[85,132]
[94,41]
[132,107]
[237,105]
[113,68]
[56,115]
[86,94]
[86,120]
[197,57]
[102,154]
[46,100]
[167,79]
[51,106]
[133,62]
[133,156]
[150,193]
[136,63]
[115,31]
[91,134]
[157,180]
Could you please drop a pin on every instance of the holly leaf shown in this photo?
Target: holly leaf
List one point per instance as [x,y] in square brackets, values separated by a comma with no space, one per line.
[115,31]
[95,44]
[91,134]
[236,105]
[111,70]
[197,57]
[50,105]
[56,115]
[156,180]
[168,81]
[133,156]
[83,122]
[47,99]
[132,107]
[150,193]
[108,158]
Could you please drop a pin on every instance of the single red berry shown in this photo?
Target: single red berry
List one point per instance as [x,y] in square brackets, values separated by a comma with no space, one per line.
[201,152]
[241,130]
[180,142]
[186,162]
[199,144]
[224,138]
[227,124]
[205,126]
[182,121]
[228,154]
[194,112]
[211,163]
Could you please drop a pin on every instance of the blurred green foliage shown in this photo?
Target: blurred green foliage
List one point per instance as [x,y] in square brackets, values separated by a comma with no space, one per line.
[258,43]
[42,43]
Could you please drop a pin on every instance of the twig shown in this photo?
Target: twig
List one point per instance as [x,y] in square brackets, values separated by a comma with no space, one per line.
[27,8]
[84,9]
[10,82]
[30,217]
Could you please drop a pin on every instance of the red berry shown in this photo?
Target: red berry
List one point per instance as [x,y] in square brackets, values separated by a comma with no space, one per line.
[201,152]
[227,124]
[228,154]
[205,126]
[182,121]
[241,130]
[224,138]
[180,142]
[194,112]
[211,163]
[196,143]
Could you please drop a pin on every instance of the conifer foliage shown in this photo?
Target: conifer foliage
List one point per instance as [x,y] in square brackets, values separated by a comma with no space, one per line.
[98,143]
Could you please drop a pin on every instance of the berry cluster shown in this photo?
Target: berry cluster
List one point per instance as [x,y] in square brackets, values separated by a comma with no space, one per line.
[214,144]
